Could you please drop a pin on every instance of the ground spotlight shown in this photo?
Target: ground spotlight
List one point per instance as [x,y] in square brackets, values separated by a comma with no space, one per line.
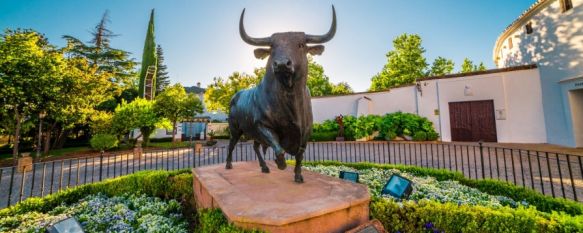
[68,225]
[350,176]
[398,186]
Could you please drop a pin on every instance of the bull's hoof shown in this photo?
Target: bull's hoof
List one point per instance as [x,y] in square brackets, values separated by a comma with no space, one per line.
[229,166]
[280,161]
[299,178]
[265,169]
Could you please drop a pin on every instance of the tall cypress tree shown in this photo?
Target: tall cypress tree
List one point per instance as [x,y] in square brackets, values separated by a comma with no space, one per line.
[148,57]
[162,78]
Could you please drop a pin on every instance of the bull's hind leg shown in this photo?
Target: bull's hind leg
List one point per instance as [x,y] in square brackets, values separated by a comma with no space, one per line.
[235,135]
[264,167]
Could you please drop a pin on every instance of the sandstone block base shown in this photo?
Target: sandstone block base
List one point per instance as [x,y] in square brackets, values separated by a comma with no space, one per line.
[275,203]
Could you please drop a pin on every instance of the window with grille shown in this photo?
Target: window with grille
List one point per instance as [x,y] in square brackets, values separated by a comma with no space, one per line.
[528,28]
[566,5]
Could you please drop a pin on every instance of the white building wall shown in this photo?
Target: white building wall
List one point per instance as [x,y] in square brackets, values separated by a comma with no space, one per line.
[400,99]
[556,46]
[517,94]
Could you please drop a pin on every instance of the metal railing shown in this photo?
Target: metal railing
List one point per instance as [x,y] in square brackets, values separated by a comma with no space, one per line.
[553,174]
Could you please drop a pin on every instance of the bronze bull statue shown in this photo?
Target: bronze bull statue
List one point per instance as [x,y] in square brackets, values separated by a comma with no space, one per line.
[277,113]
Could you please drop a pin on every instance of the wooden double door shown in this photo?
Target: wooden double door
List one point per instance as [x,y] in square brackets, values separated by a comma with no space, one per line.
[473,121]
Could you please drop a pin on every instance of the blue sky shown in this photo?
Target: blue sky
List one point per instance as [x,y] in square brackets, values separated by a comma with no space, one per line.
[200,38]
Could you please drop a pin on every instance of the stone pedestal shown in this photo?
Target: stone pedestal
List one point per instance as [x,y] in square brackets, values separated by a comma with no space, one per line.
[24,164]
[275,203]
[198,148]
[138,152]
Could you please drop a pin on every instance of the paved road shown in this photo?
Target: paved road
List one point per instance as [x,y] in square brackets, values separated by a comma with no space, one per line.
[565,178]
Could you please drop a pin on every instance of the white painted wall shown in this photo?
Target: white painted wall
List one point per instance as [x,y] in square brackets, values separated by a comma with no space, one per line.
[556,46]
[328,107]
[516,93]
[576,102]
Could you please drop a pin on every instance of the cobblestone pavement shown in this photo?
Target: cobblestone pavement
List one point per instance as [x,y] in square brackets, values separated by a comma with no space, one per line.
[553,174]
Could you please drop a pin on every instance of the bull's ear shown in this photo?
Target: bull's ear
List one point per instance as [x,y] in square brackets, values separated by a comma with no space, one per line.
[262,53]
[316,50]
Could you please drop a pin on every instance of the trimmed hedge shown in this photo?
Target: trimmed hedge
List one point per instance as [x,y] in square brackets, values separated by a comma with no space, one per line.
[493,187]
[449,217]
[323,136]
[164,184]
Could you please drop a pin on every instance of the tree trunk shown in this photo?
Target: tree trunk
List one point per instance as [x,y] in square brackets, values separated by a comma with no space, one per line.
[48,132]
[61,138]
[16,134]
[146,131]
[173,133]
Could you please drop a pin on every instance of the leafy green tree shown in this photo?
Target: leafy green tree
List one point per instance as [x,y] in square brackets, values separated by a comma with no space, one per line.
[140,114]
[480,67]
[148,57]
[30,73]
[341,89]
[219,93]
[176,105]
[162,78]
[468,66]
[405,63]
[441,66]
[103,142]
[114,62]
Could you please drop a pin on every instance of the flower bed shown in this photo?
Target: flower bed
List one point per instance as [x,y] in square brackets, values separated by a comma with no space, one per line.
[424,187]
[147,201]
[99,213]
[444,201]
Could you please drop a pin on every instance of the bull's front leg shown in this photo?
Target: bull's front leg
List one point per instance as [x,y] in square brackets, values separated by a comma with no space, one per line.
[298,178]
[273,142]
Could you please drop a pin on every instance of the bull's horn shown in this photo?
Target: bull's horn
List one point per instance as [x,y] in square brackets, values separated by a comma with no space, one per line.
[310,39]
[250,40]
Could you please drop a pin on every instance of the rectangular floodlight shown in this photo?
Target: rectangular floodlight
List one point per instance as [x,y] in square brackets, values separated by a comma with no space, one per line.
[398,186]
[68,225]
[350,176]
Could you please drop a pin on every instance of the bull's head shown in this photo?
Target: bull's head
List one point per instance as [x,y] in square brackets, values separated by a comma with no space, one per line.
[288,51]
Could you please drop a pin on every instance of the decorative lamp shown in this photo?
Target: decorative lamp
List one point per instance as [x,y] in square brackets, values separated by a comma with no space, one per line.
[398,187]
[350,176]
[68,225]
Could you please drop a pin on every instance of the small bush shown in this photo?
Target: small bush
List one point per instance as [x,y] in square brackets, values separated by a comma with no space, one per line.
[168,139]
[323,136]
[213,221]
[433,216]
[391,135]
[420,136]
[102,142]
[432,136]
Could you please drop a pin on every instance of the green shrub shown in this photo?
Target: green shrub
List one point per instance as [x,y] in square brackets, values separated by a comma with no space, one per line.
[432,136]
[420,136]
[323,136]
[213,221]
[391,135]
[102,142]
[492,187]
[167,139]
[164,184]
[432,216]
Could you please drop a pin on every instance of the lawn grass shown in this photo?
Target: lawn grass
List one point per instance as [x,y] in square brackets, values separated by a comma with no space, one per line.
[168,145]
